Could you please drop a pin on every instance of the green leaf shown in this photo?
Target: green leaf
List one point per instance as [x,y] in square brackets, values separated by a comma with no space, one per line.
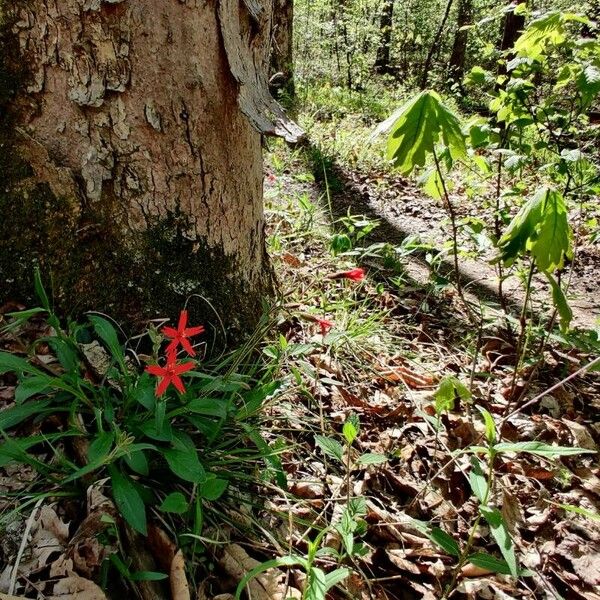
[490,426]
[9,363]
[336,576]
[9,417]
[174,503]
[540,227]
[578,510]
[548,30]
[502,537]
[66,353]
[489,562]
[147,576]
[448,390]
[40,292]
[213,488]
[107,333]
[420,124]
[540,449]
[128,500]
[350,432]
[185,464]
[438,536]
[330,447]
[137,462]
[445,541]
[371,459]
[31,386]
[478,480]
[317,587]
[101,446]
[561,304]
[212,407]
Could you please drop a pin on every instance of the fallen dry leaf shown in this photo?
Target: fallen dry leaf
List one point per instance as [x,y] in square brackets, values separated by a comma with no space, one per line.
[409,377]
[76,588]
[180,589]
[270,585]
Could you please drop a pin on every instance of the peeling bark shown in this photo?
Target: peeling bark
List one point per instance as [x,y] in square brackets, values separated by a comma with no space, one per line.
[141,120]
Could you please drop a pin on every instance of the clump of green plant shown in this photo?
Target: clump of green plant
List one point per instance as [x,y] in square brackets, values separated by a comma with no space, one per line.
[349,528]
[166,438]
[482,480]
[352,229]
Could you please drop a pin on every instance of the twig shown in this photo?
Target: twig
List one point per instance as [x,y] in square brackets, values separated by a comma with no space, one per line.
[15,569]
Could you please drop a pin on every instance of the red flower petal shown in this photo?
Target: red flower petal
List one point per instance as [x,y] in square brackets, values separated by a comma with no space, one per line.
[156,370]
[178,384]
[185,343]
[169,332]
[183,317]
[162,386]
[179,369]
[192,331]
[355,274]
[171,350]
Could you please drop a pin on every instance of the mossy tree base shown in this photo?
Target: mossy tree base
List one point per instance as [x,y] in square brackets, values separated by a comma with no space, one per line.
[130,172]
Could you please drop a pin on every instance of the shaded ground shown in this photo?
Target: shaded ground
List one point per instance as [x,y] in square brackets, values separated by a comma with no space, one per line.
[404,211]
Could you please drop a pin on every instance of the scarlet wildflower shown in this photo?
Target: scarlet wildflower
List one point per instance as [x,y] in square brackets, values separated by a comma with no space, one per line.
[325,326]
[357,274]
[182,334]
[170,374]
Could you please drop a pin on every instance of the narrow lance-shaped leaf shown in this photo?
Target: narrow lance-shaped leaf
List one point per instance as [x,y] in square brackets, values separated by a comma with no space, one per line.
[502,537]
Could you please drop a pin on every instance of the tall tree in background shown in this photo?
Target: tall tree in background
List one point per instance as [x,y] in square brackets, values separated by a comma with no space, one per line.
[512,26]
[131,154]
[282,57]
[382,61]
[456,66]
[435,46]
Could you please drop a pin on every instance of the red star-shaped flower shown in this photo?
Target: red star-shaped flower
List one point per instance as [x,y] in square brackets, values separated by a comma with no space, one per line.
[181,335]
[170,374]
[357,274]
[325,325]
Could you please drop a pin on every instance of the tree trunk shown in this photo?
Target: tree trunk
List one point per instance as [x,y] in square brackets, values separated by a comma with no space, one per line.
[382,61]
[282,57]
[131,155]
[435,46]
[456,66]
[511,30]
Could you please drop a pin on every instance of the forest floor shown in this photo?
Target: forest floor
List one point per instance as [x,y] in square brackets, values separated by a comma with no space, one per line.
[408,476]
[398,336]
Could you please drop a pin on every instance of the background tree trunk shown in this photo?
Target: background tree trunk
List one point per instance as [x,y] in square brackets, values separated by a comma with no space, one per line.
[456,66]
[434,47]
[386,21]
[132,172]
[511,30]
[282,57]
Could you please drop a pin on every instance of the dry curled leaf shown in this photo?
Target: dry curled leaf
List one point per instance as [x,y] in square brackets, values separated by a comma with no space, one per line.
[409,377]
[180,589]
[76,588]
[270,585]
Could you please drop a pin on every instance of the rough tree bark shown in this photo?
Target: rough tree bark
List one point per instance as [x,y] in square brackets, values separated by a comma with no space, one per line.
[456,66]
[131,154]
[386,21]
[282,57]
